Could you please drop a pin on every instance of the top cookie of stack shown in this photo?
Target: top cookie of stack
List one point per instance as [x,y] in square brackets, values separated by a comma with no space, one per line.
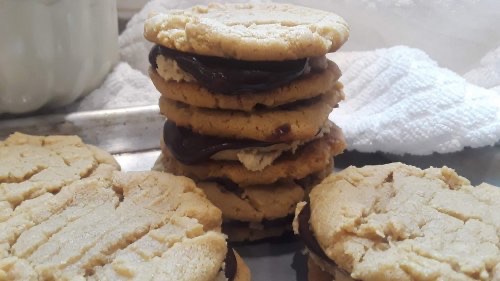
[214,57]
[247,90]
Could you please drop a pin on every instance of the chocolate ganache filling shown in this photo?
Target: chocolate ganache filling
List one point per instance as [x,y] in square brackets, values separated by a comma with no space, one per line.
[230,76]
[308,237]
[231,264]
[190,148]
[311,242]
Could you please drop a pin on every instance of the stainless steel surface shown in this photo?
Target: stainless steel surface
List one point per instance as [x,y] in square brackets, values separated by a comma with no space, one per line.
[137,161]
[114,130]
[279,260]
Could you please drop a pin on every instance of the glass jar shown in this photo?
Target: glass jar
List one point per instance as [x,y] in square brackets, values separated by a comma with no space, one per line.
[54,51]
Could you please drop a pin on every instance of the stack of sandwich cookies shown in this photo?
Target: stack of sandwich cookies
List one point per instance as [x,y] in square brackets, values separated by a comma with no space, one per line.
[398,222]
[247,90]
[101,224]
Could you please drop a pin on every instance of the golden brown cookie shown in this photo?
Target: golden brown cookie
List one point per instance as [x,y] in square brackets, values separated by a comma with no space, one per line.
[398,222]
[307,87]
[299,122]
[31,166]
[192,148]
[310,158]
[129,226]
[264,31]
[254,203]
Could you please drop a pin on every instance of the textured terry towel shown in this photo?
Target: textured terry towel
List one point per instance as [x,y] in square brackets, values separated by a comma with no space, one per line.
[397,100]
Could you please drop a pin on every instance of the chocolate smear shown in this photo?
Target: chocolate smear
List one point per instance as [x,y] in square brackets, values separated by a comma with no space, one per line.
[230,76]
[308,237]
[228,186]
[191,148]
[280,132]
[231,264]
[310,240]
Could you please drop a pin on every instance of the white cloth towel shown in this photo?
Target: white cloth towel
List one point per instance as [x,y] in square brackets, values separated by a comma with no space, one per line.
[398,100]
[124,87]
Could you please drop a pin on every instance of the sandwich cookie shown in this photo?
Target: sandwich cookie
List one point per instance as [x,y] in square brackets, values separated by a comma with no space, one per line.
[311,158]
[398,222]
[129,226]
[195,94]
[296,121]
